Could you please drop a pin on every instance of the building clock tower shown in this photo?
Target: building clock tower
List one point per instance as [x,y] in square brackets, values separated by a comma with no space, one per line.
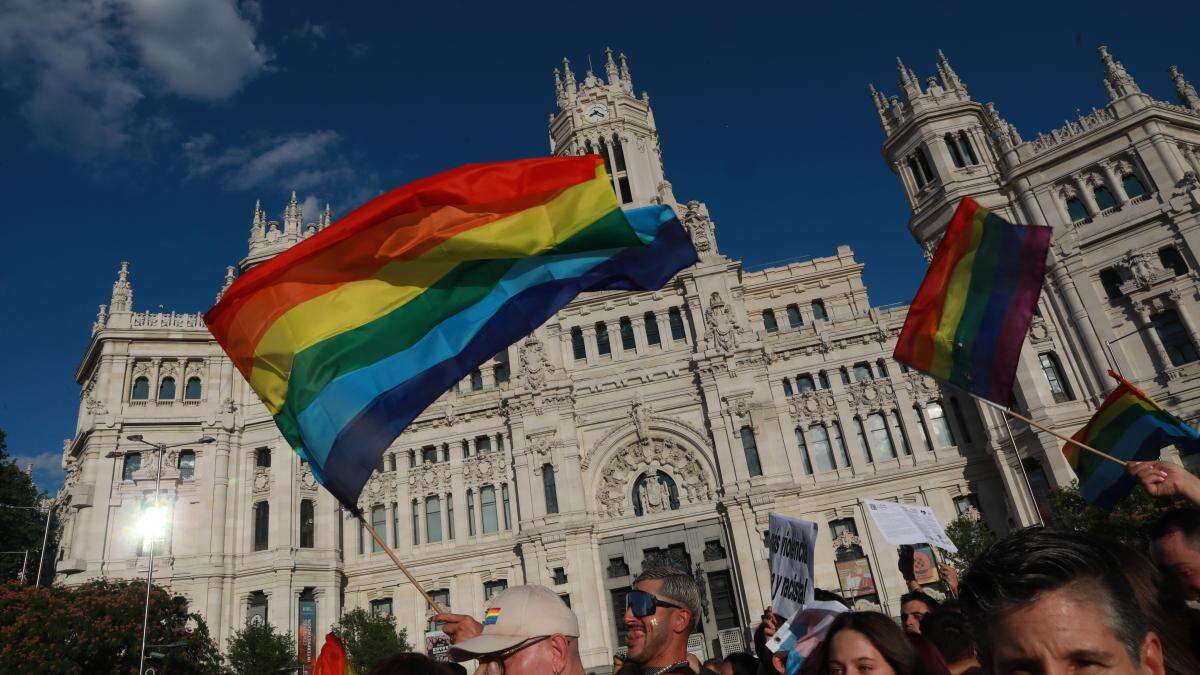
[604,117]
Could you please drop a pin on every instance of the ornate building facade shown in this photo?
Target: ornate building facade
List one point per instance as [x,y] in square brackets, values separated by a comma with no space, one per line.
[631,427]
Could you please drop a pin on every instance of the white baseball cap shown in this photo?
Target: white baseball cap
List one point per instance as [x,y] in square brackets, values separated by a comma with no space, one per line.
[516,615]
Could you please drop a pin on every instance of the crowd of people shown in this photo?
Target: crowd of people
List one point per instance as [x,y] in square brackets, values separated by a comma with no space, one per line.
[1037,601]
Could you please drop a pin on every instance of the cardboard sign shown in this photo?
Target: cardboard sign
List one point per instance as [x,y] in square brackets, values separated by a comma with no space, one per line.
[925,568]
[791,543]
[855,577]
[903,524]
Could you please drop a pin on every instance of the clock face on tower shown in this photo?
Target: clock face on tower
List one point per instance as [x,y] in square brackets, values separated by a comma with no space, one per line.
[595,112]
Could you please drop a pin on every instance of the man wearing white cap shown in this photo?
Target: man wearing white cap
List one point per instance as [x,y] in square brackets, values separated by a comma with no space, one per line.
[527,630]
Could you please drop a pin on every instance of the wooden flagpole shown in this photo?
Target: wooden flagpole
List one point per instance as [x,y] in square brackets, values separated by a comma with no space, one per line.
[396,559]
[1052,432]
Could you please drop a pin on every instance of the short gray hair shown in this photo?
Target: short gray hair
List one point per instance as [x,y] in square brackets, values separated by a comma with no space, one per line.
[677,585]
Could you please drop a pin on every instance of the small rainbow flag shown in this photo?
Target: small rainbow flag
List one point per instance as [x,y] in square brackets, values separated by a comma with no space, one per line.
[491,616]
[1128,425]
[350,334]
[973,309]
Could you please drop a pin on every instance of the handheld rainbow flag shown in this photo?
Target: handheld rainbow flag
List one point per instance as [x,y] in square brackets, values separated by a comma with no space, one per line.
[974,307]
[1130,426]
[349,335]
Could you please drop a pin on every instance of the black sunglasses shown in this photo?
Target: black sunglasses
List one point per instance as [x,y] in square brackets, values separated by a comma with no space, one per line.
[644,604]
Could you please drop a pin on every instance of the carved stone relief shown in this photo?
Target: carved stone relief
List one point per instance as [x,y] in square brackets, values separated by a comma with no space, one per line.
[721,325]
[535,365]
[614,498]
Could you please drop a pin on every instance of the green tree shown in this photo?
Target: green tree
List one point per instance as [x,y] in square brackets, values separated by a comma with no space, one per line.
[970,537]
[20,528]
[1126,523]
[258,648]
[97,628]
[370,639]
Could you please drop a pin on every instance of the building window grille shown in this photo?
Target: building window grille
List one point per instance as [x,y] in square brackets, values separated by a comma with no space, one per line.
[626,328]
[675,319]
[262,522]
[141,389]
[191,391]
[793,316]
[1174,337]
[750,447]
[818,310]
[307,524]
[1171,259]
[602,345]
[578,346]
[769,322]
[187,465]
[652,336]
[166,389]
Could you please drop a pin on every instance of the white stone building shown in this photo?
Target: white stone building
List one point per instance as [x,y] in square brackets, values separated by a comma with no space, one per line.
[631,425]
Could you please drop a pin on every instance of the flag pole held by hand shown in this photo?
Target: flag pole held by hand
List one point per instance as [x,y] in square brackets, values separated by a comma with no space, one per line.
[1052,432]
[392,554]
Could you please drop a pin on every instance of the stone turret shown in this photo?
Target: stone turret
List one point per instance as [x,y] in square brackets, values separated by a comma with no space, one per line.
[122,292]
[1185,90]
[1117,80]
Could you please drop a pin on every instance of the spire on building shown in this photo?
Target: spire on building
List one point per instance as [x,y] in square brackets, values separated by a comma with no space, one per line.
[292,216]
[229,276]
[1119,82]
[560,96]
[908,80]
[569,86]
[950,79]
[326,217]
[1184,89]
[122,291]
[880,107]
[101,319]
[626,77]
[1004,132]
[610,68]
[258,222]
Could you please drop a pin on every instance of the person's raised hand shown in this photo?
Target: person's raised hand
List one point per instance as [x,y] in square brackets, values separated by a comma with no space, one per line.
[771,623]
[458,627]
[1166,479]
[950,576]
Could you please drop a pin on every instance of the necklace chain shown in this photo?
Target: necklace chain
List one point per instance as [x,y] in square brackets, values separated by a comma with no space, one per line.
[664,669]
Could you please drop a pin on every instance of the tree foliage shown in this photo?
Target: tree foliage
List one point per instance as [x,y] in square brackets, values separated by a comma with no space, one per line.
[1126,523]
[20,528]
[970,537]
[259,648]
[370,639]
[97,628]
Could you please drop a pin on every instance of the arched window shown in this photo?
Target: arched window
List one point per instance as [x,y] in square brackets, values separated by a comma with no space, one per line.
[131,463]
[141,389]
[967,148]
[1076,209]
[433,519]
[1133,185]
[262,524]
[769,323]
[308,524]
[675,319]
[1172,260]
[1174,337]
[618,153]
[549,488]
[822,451]
[805,383]
[587,145]
[955,154]
[379,522]
[476,380]
[1104,198]
[626,329]
[187,464]
[623,189]
[1110,280]
[166,389]
[881,439]
[602,344]
[750,448]
[654,493]
[1054,377]
[804,458]
[487,506]
[939,425]
[652,335]
[470,512]
[787,387]
[578,347]
[191,391]
[793,316]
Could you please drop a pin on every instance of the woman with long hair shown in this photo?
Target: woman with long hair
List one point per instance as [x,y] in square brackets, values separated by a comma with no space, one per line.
[866,642]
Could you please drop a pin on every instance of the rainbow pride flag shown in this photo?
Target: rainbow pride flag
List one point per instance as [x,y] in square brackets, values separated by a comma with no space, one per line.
[350,334]
[973,309]
[1128,425]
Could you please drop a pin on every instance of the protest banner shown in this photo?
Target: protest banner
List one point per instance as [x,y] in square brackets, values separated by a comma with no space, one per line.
[803,632]
[791,542]
[903,524]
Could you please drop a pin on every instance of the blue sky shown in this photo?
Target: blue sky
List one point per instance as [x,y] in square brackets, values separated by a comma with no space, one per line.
[144,130]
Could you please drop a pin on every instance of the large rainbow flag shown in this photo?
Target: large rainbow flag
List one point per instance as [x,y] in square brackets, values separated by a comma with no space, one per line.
[973,309]
[1128,425]
[350,334]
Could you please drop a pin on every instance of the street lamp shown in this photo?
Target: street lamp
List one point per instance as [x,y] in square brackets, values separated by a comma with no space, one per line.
[153,524]
[45,537]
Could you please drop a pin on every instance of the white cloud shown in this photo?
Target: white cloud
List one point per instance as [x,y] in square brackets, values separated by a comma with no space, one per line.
[47,469]
[83,67]
[303,161]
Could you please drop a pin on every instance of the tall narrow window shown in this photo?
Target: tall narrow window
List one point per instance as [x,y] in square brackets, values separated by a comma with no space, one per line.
[141,389]
[822,451]
[623,188]
[818,310]
[433,519]
[967,148]
[504,503]
[793,316]
[769,323]
[187,465]
[839,445]
[926,168]
[805,383]
[881,439]
[955,154]
[804,458]
[132,462]
[429,454]
[308,524]
[922,428]
[915,170]
[1171,259]
[652,336]
[675,319]
[618,153]
[483,445]
[502,370]
[602,345]
[940,426]
[604,154]
[1104,198]
[379,523]
[476,380]
[1076,210]
[578,347]
[962,421]
[262,524]
[1110,280]
[471,512]
[256,608]
[395,523]
[881,368]
[1054,377]
[549,488]
[898,430]
[823,379]
[845,375]
[1133,185]
[416,522]
[487,504]
[191,392]
[166,389]
[787,387]
[626,328]
[750,447]
[262,458]
[1174,337]
[863,445]
[449,516]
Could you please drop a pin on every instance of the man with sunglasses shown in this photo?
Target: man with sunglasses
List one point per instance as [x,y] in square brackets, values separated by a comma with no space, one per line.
[660,614]
[527,630]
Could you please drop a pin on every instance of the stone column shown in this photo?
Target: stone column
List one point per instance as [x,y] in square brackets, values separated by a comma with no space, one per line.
[639,334]
[389,515]
[1166,154]
[589,341]
[1176,299]
[1143,312]
[1115,184]
[1085,194]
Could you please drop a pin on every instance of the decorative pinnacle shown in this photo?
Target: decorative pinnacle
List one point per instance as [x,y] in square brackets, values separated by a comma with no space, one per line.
[326,216]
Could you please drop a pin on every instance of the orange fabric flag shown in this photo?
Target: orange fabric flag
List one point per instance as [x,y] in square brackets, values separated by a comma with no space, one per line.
[333,659]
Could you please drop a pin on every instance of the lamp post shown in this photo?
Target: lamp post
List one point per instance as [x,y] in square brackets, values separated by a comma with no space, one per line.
[45,537]
[156,509]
